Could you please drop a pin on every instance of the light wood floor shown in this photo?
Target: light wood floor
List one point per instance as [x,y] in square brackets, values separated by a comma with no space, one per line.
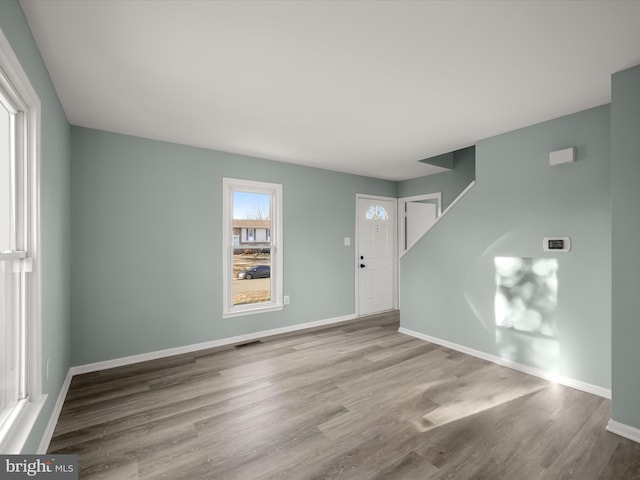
[354,401]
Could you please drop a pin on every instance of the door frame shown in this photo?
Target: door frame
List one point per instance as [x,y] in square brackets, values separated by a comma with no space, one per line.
[356,260]
[401,215]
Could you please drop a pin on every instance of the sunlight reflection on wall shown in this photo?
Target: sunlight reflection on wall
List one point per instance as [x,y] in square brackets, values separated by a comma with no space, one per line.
[525,304]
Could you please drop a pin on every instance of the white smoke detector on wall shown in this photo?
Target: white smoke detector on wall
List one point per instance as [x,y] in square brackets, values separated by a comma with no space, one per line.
[566,155]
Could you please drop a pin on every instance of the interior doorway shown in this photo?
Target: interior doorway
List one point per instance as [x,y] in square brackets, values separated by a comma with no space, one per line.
[417,215]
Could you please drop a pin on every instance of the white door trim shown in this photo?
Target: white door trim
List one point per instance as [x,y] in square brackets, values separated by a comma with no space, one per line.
[401,218]
[356,264]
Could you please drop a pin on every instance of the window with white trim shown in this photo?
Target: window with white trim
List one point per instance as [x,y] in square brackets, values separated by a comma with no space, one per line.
[252,263]
[20,357]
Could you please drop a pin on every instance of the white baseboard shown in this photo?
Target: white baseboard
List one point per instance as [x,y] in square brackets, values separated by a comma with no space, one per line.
[624,430]
[144,357]
[53,420]
[119,362]
[536,372]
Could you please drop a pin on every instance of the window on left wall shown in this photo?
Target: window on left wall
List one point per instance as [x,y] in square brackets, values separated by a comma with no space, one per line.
[20,356]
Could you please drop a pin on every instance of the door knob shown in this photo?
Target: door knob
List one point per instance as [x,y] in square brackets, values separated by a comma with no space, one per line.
[362,265]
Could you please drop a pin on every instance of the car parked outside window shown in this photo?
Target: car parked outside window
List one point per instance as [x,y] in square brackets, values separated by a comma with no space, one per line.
[259,271]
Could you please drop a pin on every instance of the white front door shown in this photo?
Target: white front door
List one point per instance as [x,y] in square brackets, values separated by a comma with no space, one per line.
[376,254]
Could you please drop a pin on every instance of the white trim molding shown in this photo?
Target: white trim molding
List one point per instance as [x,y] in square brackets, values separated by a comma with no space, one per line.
[536,372]
[55,415]
[441,215]
[462,194]
[274,191]
[402,217]
[22,101]
[356,265]
[624,430]
[169,352]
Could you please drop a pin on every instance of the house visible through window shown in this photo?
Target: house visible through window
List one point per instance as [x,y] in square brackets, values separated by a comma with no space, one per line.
[252,247]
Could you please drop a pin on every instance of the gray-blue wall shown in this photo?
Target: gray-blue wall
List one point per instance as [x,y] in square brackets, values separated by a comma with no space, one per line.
[145,271]
[625,174]
[147,241]
[448,280]
[55,217]
[451,183]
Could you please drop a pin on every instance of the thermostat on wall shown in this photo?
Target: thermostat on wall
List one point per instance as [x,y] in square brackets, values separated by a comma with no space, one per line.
[556,244]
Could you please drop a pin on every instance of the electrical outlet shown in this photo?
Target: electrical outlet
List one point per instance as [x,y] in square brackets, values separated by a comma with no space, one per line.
[286,299]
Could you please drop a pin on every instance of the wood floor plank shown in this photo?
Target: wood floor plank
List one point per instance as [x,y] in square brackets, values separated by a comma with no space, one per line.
[357,400]
[588,453]
[624,462]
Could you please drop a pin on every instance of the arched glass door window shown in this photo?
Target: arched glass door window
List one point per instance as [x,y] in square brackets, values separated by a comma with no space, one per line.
[376,212]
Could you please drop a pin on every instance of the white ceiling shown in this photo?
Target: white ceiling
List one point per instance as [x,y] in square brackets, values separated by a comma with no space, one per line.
[365,87]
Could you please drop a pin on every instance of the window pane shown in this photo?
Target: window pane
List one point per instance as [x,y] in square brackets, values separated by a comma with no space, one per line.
[9,341]
[251,247]
[376,212]
[20,325]
[9,284]
[5,180]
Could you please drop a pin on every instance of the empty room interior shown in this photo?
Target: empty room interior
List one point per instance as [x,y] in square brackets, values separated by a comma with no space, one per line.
[321,239]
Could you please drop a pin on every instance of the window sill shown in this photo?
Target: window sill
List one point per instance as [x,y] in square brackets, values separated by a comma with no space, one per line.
[252,311]
[19,432]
